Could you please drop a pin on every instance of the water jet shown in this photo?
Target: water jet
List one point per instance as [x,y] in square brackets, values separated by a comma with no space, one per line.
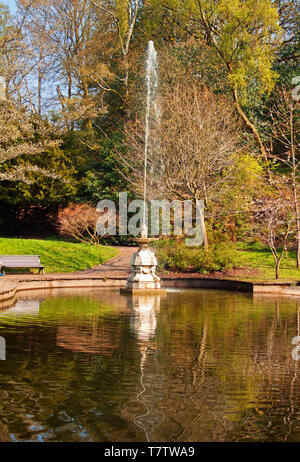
[143,263]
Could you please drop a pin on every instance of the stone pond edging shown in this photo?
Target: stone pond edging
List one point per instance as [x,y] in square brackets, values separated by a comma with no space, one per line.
[10,288]
[271,288]
[202,283]
[277,288]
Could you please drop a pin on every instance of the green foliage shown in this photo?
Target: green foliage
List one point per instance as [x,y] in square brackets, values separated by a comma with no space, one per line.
[244,35]
[57,189]
[122,15]
[245,184]
[219,257]
[177,256]
[100,176]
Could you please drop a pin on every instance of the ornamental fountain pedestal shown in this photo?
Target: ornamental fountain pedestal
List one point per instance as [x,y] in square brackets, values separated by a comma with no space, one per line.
[143,263]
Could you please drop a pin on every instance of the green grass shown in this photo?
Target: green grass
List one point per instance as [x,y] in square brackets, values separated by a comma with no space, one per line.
[260,265]
[58,256]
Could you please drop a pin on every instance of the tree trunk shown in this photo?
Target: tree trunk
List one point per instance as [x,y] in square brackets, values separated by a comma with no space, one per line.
[205,239]
[69,83]
[297,212]
[297,224]
[249,124]
[277,269]
[40,84]
[294,185]
[7,90]
[88,123]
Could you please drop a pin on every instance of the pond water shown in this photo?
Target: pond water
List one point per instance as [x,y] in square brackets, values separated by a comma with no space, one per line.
[194,365]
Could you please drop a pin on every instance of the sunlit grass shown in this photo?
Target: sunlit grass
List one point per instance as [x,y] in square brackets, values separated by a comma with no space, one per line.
[58,256]
[261,265]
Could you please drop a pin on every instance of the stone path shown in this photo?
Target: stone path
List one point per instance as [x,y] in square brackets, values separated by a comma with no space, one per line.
[118,266]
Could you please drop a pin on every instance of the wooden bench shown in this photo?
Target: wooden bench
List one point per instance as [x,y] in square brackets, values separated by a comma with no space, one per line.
[20,261]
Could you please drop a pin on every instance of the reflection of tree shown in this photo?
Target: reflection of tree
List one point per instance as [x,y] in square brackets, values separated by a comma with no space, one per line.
[199,368]
[74,393]
[218,367]
[238,389]
[293,390]
[91,341]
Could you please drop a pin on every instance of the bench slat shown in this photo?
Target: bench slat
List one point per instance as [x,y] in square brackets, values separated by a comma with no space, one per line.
[21,261]
[21,265]
[20,258]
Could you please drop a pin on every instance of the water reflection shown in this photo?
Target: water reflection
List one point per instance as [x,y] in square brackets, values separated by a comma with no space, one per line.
[194,366]
[23,308]
[144,311]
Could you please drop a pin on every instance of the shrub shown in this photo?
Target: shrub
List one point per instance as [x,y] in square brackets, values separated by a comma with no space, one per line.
[218,258]
[176,255]
[79,222]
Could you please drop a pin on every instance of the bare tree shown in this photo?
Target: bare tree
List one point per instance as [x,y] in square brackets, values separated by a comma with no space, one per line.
[275,220]
[15,55]
[36,23]
[124,16]
[193,151]
[285,130]
[69,40]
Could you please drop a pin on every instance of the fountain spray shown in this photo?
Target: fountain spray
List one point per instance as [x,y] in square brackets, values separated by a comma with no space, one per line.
[152,112]
[143,278]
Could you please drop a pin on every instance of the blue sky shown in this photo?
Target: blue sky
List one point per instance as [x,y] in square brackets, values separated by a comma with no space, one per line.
[10,3]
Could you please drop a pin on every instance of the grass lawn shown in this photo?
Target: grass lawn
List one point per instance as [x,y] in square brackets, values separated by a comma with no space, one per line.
[58,256]
[258,265]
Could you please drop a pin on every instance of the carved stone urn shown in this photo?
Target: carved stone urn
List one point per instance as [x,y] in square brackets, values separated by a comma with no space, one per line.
[143,264]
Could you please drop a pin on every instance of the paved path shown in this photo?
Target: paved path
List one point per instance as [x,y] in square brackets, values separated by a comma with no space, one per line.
[118,266]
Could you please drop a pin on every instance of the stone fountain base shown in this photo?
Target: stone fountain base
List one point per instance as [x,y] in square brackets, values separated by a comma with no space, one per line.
[143,278]
[131,291]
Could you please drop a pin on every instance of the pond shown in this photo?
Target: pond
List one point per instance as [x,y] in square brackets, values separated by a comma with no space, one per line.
[194,365]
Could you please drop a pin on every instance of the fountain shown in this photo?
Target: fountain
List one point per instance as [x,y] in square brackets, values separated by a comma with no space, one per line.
[143,262]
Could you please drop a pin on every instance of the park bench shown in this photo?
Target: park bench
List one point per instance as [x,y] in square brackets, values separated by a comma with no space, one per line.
[20,261]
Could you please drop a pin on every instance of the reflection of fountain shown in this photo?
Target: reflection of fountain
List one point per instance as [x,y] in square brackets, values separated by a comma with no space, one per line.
[144,310]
